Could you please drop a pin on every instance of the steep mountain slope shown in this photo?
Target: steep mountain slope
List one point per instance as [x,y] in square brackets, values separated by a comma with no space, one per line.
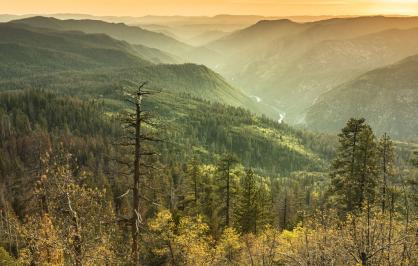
[23,50]
[81,45]
[293,63]
[256,36]
[303,35]
[206,37]
[331,63]
[95,64]
[120,31]
[386,97]
[156,56]
[196,80]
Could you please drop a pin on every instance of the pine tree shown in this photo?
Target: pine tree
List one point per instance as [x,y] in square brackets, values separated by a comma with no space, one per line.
[366,186]
[386,167]
[354,171]
[263,206]
[191,187]
[247,203]
[227,190]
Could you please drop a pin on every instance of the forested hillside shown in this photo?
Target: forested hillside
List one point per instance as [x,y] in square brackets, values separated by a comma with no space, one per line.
[387,97]
[39,126]
[66,61]
[77,47]
[120,31]
[246,177]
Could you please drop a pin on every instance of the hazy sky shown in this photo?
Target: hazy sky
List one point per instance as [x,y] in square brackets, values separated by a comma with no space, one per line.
[211,7]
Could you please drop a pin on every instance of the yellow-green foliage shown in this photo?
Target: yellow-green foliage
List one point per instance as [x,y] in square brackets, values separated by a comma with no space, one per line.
[228,248]
[5,258]
[281,139]
[44,240]
[187,242]
[323,239]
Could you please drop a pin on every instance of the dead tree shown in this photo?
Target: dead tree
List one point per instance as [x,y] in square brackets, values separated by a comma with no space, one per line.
[136,121]
[77,234]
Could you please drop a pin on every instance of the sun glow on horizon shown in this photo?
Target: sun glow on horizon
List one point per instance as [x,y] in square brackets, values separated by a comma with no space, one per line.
[212,7]
[401,1]
[399,7]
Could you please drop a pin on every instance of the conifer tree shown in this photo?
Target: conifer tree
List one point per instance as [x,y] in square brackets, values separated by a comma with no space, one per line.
[247,207]
[368,182]
[354,171]
[225,167]
[191,187]
[386,167]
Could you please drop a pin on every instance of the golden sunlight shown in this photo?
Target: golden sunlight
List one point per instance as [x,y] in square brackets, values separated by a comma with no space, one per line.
[212,7]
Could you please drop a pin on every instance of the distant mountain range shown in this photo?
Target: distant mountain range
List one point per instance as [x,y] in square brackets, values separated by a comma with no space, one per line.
[188,29]
[120,31]
[289,64]
[131,34]
[78,63]
[387,97]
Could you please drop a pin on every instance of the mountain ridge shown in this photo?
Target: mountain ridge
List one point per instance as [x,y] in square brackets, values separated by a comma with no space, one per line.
[121,31]
[278,68]
[387,97]
[67,61]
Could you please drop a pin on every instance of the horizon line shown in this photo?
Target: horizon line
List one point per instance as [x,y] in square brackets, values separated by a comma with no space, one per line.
[209,16]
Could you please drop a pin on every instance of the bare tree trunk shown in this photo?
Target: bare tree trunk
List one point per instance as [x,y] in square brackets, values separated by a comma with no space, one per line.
[227,195]
[135,188]
[363,256]
[384,174]
[406,202]
[285,212]
[195,191]
[77,234]
[392,209]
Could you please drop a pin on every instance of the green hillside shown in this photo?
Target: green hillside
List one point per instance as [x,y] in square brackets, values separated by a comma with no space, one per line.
[67,61]
[258,142]
[120,31]
[386,97]
[156,56]
[26,49]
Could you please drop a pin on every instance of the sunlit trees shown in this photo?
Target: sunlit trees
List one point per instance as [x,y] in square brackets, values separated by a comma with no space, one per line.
[185,243]
[69,223]
[5,258]
[67,193]
[43,241]
[229,247]
[373,238]
[261,249]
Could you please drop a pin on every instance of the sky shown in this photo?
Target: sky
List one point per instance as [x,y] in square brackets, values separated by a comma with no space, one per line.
[211,7]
